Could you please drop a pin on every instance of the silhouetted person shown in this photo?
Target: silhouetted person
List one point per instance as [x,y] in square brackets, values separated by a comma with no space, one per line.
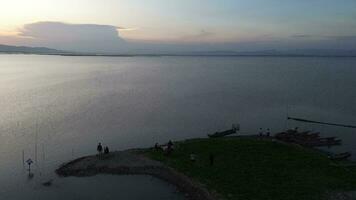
[169,147]
[99,148]
[268,133]
[211,158]
[261,132]
[170,143]
[157,146]
[106,150]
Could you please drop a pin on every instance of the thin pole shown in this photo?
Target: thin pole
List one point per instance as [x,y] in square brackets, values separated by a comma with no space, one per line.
[43,160]
[36,148]
[317,122]
[286,122]
[43,152]
[36,141]
[23,158]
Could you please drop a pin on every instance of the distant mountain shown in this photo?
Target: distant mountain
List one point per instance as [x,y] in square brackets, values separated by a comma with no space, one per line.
[321,52]
[296,52]
[29,50]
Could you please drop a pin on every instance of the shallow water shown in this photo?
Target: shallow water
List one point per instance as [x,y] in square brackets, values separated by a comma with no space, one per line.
[66,105]
[103,187]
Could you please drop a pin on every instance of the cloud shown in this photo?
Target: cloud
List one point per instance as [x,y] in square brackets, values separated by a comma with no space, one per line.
[127,29]
[96,38]
[74,37]
[201,36]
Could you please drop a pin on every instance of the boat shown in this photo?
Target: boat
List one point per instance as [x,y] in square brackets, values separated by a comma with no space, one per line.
[233,130]
[307,138]
[340,156]
[322,142]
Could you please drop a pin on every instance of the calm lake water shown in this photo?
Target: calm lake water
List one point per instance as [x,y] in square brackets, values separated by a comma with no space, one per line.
[69,104]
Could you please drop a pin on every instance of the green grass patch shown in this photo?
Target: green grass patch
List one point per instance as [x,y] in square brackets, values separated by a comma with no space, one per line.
[258,169]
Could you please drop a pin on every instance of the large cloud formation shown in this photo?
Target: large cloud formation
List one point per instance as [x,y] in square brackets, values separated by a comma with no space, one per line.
[74,37]
[94,38]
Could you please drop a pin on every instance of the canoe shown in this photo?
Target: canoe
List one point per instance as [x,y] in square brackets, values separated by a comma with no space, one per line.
[224,133]
[340,156]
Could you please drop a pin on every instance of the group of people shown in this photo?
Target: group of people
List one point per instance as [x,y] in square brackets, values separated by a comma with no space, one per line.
[168,148]
[99,148]
[268,132]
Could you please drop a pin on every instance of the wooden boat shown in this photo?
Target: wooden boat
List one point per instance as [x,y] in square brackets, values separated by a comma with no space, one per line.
[340,156]
[314,135]
[233,130]
[322,142]
[307,138]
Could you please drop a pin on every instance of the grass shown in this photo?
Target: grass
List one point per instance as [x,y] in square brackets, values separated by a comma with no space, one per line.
[258,169]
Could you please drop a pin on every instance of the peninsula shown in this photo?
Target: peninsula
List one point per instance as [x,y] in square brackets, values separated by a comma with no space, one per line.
[243,168]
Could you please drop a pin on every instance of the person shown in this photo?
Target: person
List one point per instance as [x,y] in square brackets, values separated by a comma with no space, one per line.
[170,144]
[99,148]
[106,150]
[157,147]
[169,147]
[261,132]
[268,133]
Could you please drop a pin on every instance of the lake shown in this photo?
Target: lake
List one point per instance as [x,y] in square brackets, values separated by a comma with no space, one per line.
[56,108]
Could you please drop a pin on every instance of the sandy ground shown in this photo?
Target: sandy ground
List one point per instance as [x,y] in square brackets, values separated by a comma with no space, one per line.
[133,162]
[112,160]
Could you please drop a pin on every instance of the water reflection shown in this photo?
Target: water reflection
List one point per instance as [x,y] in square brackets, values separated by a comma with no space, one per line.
[72,103]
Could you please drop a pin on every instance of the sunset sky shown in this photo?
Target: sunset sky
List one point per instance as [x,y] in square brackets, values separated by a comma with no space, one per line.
[226,24]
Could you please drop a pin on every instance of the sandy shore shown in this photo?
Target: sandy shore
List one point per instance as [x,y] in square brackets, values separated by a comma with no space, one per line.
[133,162]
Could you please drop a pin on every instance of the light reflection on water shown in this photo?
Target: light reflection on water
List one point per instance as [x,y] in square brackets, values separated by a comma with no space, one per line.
[74,102]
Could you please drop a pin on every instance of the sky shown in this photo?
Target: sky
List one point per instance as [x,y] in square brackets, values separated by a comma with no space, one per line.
[179,25]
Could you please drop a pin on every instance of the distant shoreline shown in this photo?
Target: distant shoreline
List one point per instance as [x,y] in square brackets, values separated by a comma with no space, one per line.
[176,55]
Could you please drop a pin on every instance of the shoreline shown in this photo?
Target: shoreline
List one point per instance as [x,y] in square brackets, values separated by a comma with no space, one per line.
[256,162]
[180,55]
[132,162]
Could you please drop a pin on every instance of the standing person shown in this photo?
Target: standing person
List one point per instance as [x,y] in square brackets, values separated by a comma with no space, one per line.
[170,144]
[268,132]
[99,148]
[261,132]
[157,147]
[169,147]
[106,150]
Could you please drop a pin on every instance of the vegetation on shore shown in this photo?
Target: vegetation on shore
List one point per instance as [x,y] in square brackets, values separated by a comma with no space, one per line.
[246,168]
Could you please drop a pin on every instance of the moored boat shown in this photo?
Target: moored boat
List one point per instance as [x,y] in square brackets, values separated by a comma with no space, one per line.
[233,130]
[340,156]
